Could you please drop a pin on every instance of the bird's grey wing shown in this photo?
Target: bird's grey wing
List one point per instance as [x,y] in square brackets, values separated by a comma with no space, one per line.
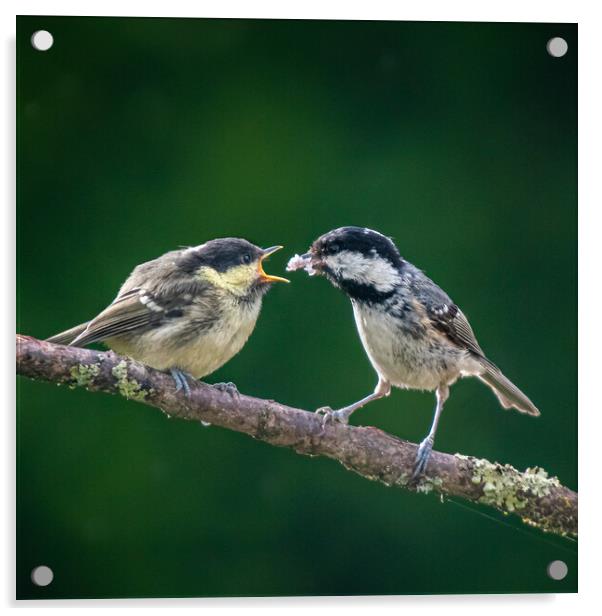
[447,317]
[141,303]
[134,310]
[68,335]
[459,331]
[450,320]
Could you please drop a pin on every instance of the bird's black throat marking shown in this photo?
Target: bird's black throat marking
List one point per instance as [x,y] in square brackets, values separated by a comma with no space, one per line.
[361,292]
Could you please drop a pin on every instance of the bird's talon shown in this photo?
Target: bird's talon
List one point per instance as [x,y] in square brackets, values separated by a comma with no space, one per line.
[340,417]
[326,413]
[229,388]
[331,416]
[422,457]
[181,380]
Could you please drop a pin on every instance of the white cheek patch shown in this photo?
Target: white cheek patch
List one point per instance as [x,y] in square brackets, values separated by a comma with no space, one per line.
[374,270]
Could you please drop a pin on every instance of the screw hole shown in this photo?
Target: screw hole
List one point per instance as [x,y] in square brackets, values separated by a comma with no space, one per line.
[42,575]
[42,40]
[557,570]
[557,47]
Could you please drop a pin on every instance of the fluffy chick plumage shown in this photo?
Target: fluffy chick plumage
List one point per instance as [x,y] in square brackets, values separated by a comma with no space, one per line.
[190,310]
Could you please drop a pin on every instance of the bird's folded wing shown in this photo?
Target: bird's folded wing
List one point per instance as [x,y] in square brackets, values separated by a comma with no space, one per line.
[450,320]
[69,335]
[130,311]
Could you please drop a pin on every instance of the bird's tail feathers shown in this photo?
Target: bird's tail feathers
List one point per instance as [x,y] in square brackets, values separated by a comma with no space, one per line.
[68,336]
[509,395]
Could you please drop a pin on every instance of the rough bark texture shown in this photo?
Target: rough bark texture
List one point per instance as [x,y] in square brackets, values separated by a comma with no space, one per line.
[539,500]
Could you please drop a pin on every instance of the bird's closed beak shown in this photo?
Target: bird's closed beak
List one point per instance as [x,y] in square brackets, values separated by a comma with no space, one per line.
[268,277]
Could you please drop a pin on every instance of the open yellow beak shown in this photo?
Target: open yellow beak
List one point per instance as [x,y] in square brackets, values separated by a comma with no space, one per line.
[267,277]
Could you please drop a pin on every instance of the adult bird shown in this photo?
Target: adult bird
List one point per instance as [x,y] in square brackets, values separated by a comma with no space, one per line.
[413,333]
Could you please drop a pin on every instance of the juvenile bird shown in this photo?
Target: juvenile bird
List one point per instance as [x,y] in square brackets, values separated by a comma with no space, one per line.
[188,311]
[413,333]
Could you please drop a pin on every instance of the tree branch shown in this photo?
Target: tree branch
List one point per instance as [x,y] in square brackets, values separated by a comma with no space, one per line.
[539,500]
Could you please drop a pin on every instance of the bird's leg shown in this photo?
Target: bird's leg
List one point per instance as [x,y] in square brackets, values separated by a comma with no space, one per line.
[426,446]
[383,388]
[181,380]
[229,388]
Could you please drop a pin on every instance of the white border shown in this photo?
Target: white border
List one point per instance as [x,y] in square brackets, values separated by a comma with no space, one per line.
[590,302]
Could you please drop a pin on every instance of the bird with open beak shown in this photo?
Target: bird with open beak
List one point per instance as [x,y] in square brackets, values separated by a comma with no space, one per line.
[187,312]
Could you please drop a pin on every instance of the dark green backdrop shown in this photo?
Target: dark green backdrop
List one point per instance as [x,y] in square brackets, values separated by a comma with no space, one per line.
[136,136]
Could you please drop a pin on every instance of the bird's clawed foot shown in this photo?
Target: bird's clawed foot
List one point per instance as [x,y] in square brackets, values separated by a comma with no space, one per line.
[228,388]
[422,457]
[181,380]
[330,416]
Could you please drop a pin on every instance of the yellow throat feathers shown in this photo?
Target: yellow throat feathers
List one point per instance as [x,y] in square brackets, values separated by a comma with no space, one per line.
[236,280]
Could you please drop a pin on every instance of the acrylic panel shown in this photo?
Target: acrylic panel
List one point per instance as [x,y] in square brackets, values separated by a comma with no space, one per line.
[139,136]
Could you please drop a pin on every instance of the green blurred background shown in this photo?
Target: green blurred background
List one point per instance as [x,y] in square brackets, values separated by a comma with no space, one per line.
[136,136]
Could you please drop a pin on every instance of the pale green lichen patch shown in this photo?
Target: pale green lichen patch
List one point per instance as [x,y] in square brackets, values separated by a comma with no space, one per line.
[403,480]
[83,375]
[559,525]
[424,485]
[428,484]
[506,488]
[128,388]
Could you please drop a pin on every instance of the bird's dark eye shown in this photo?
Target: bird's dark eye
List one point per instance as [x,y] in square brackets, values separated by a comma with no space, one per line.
[334,248]
[246,259]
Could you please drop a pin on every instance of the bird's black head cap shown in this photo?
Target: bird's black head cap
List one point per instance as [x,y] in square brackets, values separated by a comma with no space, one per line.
[221,254]
[362,240]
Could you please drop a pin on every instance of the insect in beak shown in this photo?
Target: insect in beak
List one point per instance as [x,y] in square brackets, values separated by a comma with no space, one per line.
[313,263]
[262,275]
